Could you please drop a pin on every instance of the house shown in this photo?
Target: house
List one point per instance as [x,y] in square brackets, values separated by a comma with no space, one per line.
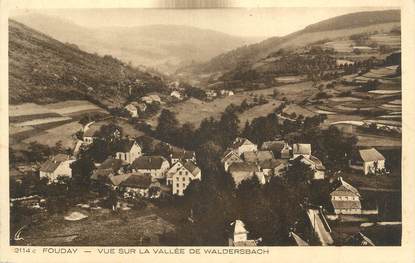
[345,198]
[239,235]
[127,150]
[156,166]
[183,176]
[241,145]
[229,158]
[281,149]
[242,171]
[368,161]
[141,106]
[301,149]
[88,137]
[132,110]
[110,167]
[176,94]
[273,167]
[315,164]
[136,185]
[57,166]
[182,155]
[224,92]
[259,156]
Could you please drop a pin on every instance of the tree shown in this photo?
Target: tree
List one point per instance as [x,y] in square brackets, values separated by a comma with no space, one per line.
[81,173]
[167,125]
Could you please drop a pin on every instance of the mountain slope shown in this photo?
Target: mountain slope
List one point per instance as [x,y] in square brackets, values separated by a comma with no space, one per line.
[162,46]
[341,26]
[42,69]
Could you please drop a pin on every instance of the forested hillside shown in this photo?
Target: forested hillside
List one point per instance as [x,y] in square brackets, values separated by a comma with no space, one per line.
[42,70]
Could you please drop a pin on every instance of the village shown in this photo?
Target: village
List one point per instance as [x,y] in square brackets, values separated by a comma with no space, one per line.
[291,143]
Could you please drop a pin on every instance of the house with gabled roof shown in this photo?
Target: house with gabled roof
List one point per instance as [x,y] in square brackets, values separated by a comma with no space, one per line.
[280,148]
[273,167]
[56,166]
[239,235]
[315,164]
[368,161]
[110,167]
[303,149]
[136,185]
[345,198]
[230,156]
[241,145]
[185,174]
[156,166]
[127,150]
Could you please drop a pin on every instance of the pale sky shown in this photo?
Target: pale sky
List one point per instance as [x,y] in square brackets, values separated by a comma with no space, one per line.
[259,22]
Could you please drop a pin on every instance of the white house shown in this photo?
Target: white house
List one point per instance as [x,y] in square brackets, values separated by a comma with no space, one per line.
[156,166]
[132,110]
[301,149]
[57,166]
[368,161]
[241,145]
[183,176]
[345,198]
[128,150]
[176,94]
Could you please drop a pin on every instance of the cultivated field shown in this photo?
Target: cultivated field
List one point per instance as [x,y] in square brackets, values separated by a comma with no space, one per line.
[49,123]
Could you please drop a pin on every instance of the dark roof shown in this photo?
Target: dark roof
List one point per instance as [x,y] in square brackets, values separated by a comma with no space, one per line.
[191,167]
[137,180]
[148,162]
[302,148]
[183,155]
[111,163]
[101,174]
[349,204]
[124,145]
[318,164]
[258,156]
[49,166]
[273,145]
[242,167]
[273,163]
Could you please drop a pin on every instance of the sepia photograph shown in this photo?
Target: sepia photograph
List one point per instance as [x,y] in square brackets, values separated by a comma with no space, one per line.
[225,127]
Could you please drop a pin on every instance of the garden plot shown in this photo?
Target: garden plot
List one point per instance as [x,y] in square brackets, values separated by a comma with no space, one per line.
[42,121]
[257,111]
[393,41]
[340,45]
[74,107]
[28,109]
[344,99]
[298,110]
[384,91]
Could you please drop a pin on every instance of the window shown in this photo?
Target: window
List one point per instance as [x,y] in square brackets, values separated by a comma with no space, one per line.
[178,185]
[180,173]
[184,185]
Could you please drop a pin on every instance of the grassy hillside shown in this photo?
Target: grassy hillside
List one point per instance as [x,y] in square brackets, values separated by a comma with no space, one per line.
[43,70]
[341,26]
[164,47]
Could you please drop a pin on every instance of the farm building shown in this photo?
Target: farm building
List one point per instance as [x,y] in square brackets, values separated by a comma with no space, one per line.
[110,167]
[176,94]
[128,150]
[156,166]
[150,99]
[57,166]
[345,198]
[136,185]
[368,161]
